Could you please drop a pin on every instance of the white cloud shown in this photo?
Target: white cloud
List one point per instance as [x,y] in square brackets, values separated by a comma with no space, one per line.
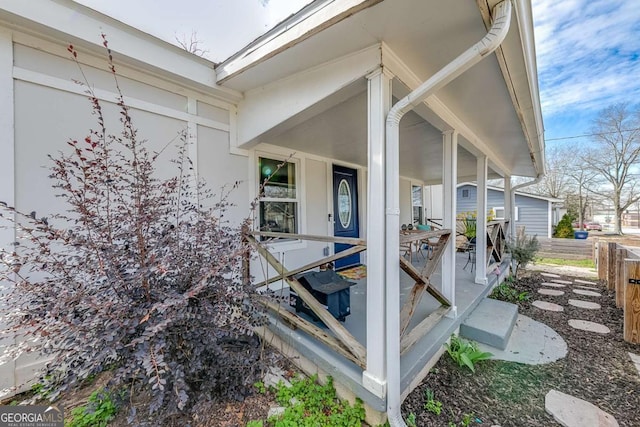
[588,53]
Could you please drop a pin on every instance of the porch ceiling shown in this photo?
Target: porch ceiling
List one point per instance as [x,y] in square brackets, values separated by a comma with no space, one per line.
[336,128]
[497,105]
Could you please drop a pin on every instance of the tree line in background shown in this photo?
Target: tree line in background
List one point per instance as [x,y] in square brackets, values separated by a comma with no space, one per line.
[601,175]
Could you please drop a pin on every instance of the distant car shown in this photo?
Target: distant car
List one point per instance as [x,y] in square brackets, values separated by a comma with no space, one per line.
[576,225]
[595,226]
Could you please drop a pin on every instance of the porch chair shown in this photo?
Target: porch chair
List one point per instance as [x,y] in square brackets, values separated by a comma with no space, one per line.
[470,249]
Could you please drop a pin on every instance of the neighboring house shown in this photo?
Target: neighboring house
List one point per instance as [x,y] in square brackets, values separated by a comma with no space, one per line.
[316,91]
[534,213]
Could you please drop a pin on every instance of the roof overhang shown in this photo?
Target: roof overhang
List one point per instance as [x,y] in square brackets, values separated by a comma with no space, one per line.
[494,105]
[65,21]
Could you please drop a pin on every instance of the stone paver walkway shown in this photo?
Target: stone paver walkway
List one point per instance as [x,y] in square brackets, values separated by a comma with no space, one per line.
[584,304]
[590,288]
[585,325]
[551,275]
[570,411]
[584,282]
[553,285]
[551,292]
[549,306]
[636,361]
[587,293]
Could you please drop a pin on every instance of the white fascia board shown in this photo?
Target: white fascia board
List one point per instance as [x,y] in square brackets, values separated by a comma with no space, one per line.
[403,73]
[311,20]
[267,106]
[64,18]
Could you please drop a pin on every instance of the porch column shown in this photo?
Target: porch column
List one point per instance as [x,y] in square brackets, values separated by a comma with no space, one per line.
[508,207]
[449,191]
[7,177]
[379,103]
[481,222]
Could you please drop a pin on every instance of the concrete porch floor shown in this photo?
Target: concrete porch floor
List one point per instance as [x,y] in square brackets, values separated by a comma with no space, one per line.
[415,363]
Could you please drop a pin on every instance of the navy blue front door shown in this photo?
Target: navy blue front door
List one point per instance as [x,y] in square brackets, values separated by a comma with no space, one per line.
[345,211]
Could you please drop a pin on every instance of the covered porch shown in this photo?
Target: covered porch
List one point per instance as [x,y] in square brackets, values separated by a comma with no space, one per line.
[355,116]
[421,342]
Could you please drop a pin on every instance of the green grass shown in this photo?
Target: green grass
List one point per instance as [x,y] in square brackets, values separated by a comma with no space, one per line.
[586,263]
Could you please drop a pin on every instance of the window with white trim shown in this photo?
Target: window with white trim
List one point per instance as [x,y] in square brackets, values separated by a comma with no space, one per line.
[499,213]
[279,196]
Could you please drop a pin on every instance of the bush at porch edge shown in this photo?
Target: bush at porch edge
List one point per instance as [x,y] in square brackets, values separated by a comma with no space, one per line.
[137,276]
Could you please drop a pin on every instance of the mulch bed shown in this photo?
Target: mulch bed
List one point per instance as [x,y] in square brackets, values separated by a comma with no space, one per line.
[597,369]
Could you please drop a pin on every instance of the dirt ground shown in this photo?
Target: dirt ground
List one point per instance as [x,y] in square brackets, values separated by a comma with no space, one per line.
[597,368]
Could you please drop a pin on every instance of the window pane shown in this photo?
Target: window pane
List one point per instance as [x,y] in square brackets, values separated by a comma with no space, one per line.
[278,217]
[416,201]
[281,183]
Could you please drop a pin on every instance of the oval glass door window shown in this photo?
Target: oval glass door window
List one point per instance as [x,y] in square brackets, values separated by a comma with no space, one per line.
[344,203]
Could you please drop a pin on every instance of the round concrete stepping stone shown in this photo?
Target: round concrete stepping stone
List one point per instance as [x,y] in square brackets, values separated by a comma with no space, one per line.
[591,288]
[564,282]
[555,276]
[587,293]
[636,361]
[553,285]
[531,343]
[570,411]
[585,325]
[584,282]
[584,304]
[551,292]
[549,306]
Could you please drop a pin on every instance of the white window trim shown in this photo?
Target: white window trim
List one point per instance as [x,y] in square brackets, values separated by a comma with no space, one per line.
[286,245]
[516,214]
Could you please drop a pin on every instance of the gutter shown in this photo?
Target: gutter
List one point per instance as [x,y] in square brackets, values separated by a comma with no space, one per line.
[470,57]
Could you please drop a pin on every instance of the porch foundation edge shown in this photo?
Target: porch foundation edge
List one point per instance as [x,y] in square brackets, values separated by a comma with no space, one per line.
[373,415]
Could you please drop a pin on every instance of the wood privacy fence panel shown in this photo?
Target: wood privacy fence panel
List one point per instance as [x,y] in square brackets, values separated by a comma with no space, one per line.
[566,248]
[619,267]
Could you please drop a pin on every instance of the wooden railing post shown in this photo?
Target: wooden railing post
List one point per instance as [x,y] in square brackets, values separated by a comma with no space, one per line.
[632,301]
[602,260]
[621,254]
[611,265]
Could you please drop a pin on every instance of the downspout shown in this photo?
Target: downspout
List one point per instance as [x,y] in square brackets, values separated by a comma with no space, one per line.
[473,55]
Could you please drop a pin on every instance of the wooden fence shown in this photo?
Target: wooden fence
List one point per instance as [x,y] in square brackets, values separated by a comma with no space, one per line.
[619,267]
[566,248]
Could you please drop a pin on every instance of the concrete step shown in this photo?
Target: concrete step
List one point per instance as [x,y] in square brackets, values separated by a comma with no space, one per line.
[490,323]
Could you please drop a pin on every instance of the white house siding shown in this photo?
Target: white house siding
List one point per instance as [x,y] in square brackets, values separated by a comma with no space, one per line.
[49,109]
[533,213]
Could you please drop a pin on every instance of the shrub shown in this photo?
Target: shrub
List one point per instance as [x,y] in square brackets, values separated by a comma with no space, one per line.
[564,229]
[137,275]
[523,250]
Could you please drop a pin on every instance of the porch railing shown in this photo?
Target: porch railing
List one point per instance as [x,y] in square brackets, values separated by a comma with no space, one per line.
[341,340]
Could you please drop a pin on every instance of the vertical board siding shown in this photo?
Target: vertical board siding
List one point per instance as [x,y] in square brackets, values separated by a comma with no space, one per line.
[533,213]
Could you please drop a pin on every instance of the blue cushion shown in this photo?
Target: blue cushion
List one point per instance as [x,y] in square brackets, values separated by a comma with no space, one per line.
[424,227]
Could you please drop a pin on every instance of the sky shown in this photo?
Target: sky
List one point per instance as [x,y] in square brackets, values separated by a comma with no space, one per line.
[588,51]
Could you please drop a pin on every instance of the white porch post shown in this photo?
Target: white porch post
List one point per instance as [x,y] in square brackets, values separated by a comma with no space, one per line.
[508,207]
[481,222]
[379,102]
[7,175]
[449,190]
